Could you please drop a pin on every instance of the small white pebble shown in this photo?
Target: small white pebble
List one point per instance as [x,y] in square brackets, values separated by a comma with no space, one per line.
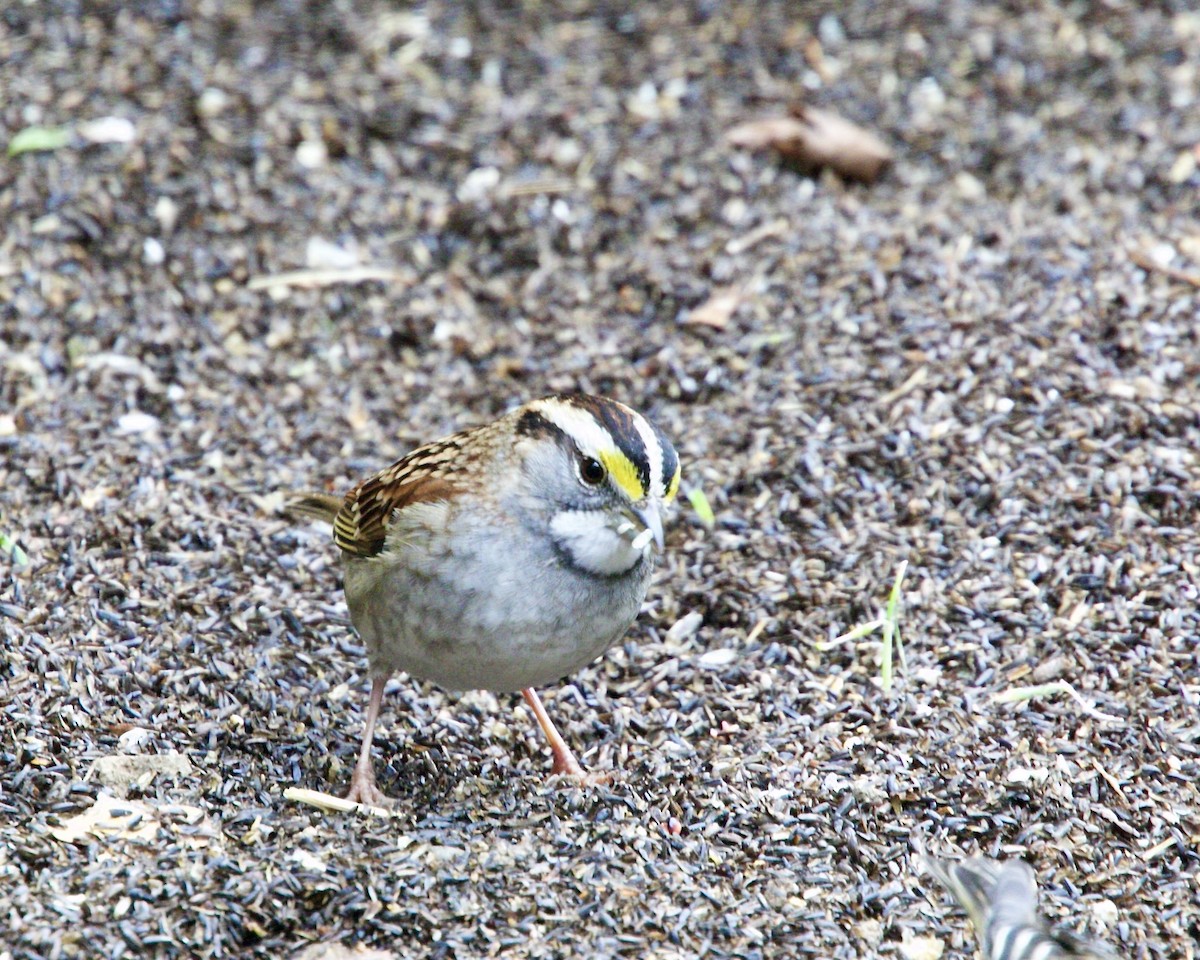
[108,130]
[929,676]
[478,185]
[312,154]
[166,212]
[321,254]
[1105,913]
[492,74]
[920,948]
[830,32]
[716,659]
[132,739]
[567,153]
[969,187]
[1162,253]
[153,252]
[309,861]
[137,422]
[685,626]
[561,211]
[1023,775]
[211,102]
[928,96]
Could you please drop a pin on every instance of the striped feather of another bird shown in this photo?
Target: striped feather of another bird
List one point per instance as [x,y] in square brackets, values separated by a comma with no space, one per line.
[1001,900]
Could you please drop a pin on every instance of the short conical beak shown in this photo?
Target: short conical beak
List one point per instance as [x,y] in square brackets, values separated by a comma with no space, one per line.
[651,517]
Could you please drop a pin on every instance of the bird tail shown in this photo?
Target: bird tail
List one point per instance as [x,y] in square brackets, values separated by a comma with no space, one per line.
[991,892]
[313,506]
[1001,900]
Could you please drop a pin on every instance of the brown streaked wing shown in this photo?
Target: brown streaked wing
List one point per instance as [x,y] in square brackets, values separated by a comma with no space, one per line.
[426,474]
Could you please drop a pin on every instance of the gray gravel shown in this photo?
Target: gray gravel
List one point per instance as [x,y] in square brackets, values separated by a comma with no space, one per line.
[984,364]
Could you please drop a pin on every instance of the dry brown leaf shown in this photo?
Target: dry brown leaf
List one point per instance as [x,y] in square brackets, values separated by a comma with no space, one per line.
[112,819]
[717,310]
[120,770]
[778,133]
[109,818]
[817,138]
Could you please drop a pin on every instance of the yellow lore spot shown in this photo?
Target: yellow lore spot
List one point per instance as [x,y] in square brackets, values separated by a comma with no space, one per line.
[623,472]
[673,486]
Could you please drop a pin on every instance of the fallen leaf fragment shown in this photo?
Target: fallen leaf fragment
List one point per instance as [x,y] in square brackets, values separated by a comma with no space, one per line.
[113,819]
[92,496]
[1150,264]
[1019,776]
[717,310]
[109,818]
[776,228]
[338,951]
[920,948]
[817,138]
[119,771]
[322,278]
[328,803]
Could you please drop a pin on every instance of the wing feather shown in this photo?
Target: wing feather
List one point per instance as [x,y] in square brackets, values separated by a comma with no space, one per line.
[429,473]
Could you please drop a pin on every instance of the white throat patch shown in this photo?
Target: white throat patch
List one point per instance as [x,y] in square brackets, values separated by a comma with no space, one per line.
[594,545]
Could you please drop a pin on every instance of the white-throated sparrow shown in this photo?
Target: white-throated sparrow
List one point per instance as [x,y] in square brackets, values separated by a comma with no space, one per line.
[503,557]
[1001,900]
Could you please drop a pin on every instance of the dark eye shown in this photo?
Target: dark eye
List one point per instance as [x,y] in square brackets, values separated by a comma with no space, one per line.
[592,471]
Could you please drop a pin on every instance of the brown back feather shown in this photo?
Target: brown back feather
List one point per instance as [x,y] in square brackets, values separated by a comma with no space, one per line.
[430,473]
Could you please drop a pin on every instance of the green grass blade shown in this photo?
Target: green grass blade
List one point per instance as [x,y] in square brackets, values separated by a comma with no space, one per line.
[862,630]
[36,139]
[891,632]
[892,615]
[1021,694]
[701,505]
[10,547]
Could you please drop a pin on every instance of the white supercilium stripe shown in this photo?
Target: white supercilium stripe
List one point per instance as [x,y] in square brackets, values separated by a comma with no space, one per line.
[578,424]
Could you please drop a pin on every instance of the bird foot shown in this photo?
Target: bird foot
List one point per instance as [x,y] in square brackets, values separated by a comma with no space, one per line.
[585,778]
[363,789]
[565,765]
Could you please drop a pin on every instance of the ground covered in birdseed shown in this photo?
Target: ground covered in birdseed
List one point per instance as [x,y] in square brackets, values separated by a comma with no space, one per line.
[318,234]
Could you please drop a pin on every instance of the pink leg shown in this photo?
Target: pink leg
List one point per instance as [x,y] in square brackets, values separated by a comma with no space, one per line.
[564,759]
[362,781]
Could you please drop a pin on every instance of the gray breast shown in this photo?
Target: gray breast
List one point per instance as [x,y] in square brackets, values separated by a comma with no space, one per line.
[483,617]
